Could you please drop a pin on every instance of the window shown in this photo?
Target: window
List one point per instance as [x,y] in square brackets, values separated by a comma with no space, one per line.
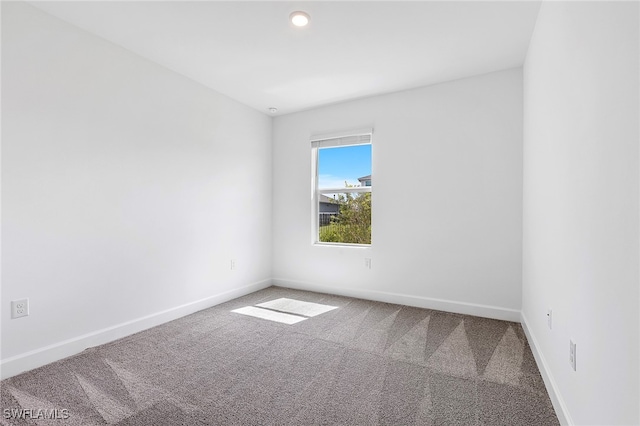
[341,193]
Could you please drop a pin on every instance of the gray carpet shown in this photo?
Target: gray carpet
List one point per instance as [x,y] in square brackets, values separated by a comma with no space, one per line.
[364,363]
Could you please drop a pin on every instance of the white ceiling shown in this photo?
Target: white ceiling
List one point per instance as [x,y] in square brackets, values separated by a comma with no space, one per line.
[250,52]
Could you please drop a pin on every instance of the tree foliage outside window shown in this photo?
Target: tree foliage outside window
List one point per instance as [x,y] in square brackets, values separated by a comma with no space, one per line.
[353,224]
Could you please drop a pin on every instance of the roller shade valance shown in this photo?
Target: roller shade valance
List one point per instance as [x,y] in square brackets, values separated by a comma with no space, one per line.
[359,137]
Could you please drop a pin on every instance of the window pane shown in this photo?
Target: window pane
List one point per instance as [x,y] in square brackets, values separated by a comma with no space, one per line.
[345,218]
[343,164]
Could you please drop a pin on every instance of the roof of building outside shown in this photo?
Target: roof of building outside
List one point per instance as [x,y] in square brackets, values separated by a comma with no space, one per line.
[325,199]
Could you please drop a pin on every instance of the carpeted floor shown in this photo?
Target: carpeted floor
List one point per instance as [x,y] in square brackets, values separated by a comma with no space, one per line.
[364,363]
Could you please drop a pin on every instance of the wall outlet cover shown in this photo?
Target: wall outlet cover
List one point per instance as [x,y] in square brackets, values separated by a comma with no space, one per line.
[572,354]
[19,308]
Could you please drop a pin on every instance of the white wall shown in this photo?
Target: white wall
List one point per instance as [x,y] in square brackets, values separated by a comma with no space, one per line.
[580,254]
[126,189]
[451,242]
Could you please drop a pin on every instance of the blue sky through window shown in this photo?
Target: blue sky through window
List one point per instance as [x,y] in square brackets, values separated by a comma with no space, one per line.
[340,164]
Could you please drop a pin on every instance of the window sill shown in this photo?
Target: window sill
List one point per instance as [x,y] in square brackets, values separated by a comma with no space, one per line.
[317,243]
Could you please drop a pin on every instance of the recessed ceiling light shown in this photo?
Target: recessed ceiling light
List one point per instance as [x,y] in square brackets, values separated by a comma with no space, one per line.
[299,19]
[273,110]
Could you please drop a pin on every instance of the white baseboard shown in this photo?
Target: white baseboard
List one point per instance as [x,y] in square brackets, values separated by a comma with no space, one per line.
[405,299]
[552,389]
[42,356]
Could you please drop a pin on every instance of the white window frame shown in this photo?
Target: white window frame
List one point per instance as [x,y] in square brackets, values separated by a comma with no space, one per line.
[351,138]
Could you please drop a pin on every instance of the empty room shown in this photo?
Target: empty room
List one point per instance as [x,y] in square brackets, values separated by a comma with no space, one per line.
[332,212]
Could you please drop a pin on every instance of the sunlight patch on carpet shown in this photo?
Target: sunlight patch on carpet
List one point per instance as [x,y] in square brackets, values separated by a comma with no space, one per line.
[297,307]
[269,315]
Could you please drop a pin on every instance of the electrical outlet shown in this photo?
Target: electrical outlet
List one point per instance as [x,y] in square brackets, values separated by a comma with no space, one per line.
[572,354]
[549,318]
[233,264]
[367,262]
[19,308]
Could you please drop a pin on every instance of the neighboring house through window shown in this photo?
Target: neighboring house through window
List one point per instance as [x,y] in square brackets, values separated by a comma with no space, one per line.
[328,209]
[365,180]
